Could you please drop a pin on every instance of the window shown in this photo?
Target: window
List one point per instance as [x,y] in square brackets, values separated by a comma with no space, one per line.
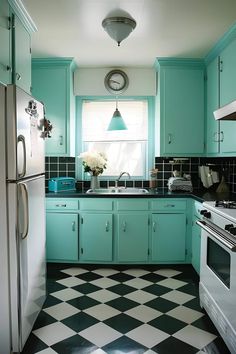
[126,150]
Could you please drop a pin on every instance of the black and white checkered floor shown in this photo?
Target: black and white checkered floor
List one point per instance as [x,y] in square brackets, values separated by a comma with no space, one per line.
[121,309]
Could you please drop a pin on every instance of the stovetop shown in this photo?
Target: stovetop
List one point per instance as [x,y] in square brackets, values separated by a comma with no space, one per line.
[227,209]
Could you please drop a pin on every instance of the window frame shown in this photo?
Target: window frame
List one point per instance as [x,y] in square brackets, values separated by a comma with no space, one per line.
[150,154]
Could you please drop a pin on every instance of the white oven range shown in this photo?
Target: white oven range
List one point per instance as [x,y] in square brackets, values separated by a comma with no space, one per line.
[217,286]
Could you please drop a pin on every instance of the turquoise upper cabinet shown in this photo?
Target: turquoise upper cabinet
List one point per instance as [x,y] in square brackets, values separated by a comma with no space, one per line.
[96,237]
[180,107]
[21,74]
[52,83]
[228,94]
[5,40]
[212,126]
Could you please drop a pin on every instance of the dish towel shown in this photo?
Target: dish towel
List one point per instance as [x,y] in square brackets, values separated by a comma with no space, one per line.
[206,176]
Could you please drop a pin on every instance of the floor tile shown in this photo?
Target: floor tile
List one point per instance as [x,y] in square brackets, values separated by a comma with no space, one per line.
[53,333]
[43,319]
[100,334]
[122,304]
[152,277]
[33,345]
[123,323]
[79,321]
[171,283]
[106,272]
[104,282]
[136,272]
[147,335]
[66,294]
[89,276]
[124,345]
[52,286]
[121,289]
[194,304]
[143,313]
[185,314]
[70,281]
[195,336]
[216,347]
[47,351]
[167,324]
[190,288]
[103,295]
[177,296]
[149,351]
[157,289]
[174,345]
[73,271]
[161,305]
[206,324]
[86,288]
[138,283]
[51,301]
[121,277]
[61,311]
[102,312]
[140,296]
[83,302]
[167,272]
[75,344]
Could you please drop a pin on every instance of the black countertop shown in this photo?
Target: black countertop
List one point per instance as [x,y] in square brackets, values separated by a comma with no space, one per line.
[199,195]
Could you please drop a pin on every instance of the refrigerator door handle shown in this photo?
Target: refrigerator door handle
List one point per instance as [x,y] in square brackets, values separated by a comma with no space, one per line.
[24,199]
[21,139]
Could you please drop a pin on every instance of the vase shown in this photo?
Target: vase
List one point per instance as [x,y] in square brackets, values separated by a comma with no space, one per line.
[94,184]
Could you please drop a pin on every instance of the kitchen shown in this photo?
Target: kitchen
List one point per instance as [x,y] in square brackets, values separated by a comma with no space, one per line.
[179,149]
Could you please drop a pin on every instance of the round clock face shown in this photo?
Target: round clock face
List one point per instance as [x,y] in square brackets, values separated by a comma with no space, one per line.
[116,81]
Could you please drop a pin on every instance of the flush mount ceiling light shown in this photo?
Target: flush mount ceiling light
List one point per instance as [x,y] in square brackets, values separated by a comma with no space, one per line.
[117,122]
[118,28]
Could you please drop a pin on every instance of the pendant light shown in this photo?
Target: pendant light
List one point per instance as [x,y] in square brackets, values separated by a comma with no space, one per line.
[118,28]
[117,122]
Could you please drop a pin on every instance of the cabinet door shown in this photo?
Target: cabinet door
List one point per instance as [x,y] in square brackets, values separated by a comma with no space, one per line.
[212,133]
[168,237]
[21,56]
[228,94]
[49,85]
[196,245]
[132,237]
[62,236]
[182,108]
[96,237]
[5,58]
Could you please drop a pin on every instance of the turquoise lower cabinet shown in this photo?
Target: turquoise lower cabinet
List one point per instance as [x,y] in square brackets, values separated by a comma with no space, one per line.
[96,237]
[62,236]
[132,237]
[168,237]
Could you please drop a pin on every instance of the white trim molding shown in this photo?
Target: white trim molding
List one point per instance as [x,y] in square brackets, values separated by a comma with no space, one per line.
[20,10]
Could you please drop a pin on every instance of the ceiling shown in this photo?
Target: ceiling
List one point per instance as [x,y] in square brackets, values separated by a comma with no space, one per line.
[165,28]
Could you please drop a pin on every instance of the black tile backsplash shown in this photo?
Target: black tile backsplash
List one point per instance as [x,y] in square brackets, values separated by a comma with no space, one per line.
[65,167]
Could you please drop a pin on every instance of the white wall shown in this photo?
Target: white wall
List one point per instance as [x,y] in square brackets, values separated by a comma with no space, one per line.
[90,82]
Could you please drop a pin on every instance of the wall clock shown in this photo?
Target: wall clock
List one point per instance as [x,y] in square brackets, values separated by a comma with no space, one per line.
[116,81]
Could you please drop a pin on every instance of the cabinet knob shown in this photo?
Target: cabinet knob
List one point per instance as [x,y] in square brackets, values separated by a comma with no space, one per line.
[124,226]
[154,226]
[221,136]
[107,226]
[73,226]
[18,77]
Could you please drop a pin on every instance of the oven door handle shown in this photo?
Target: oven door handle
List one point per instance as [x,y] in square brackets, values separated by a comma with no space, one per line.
[218,236]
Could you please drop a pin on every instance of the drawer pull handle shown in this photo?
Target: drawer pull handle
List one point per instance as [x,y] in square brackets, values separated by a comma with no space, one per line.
[61,140]
[154,226]
[73,226]
[169,138]
[107,226]
[61,205]
[169,205]
[124,226]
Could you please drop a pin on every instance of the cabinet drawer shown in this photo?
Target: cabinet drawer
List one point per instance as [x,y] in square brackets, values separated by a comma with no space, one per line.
[197,209]
[62,204]
[168,205]
[96,204]
[132,204]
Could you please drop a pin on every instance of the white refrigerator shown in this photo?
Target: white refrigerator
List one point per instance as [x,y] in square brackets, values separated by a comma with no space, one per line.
[23,214]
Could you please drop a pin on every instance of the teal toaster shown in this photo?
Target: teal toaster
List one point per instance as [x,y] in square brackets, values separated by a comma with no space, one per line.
[61,184]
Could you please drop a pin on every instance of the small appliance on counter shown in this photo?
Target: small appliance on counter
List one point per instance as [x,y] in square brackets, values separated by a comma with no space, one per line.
[178,183]
[61,184]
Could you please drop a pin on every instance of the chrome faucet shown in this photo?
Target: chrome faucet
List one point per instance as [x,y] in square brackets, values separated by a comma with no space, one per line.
[121,174]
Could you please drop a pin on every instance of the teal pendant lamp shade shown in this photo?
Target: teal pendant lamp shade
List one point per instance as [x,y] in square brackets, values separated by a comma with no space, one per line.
[117,122]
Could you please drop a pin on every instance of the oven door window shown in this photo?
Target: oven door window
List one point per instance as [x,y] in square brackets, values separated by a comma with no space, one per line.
[218,260]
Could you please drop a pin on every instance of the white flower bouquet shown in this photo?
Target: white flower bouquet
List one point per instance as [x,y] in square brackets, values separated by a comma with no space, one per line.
[94,162]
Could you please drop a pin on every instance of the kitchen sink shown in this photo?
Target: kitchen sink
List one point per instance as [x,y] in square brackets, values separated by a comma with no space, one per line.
[118,191]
